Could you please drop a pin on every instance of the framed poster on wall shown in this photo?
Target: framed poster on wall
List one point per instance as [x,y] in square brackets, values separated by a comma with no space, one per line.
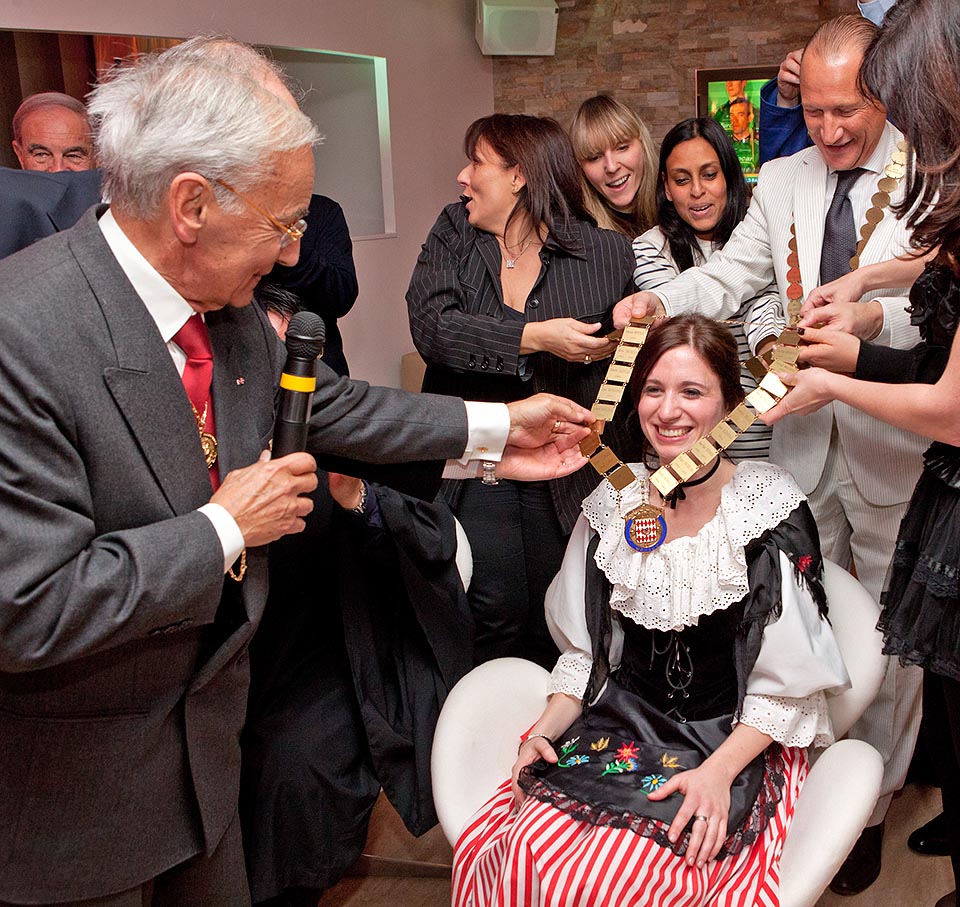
[732,97]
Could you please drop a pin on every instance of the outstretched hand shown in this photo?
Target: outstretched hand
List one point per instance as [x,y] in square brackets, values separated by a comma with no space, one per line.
[835,351]
[544,419]
[533,464]
[862,319]
[636,305]
[568,339]
[848,288]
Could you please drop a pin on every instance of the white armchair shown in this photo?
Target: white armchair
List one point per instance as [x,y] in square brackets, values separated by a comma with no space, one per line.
[488,710]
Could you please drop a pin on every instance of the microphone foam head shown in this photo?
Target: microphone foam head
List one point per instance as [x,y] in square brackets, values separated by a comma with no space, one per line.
[305,336]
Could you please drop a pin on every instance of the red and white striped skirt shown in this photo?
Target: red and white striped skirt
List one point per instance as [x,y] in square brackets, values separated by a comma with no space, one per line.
[538,855]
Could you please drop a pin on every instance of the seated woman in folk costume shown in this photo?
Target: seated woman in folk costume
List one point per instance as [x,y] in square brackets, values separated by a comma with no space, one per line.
[696,655]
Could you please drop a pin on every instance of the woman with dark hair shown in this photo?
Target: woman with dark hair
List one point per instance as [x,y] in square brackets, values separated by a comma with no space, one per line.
[508,298]
[616,156]
[701,197]
[913,66]
[665,767]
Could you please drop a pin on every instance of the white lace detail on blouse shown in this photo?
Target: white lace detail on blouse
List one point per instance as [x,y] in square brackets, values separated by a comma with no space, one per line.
[571,674]
[790,721]
[689,577]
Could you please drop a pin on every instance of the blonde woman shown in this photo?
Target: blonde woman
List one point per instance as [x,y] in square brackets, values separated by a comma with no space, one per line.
[618,165]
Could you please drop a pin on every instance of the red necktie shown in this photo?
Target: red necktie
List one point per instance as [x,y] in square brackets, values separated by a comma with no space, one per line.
[194,340]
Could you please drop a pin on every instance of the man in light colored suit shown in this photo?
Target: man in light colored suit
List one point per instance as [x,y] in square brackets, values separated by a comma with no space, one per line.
[129,593]
[857,472]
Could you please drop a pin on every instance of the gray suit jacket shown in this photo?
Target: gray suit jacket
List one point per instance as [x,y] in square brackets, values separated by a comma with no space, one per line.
[123,676]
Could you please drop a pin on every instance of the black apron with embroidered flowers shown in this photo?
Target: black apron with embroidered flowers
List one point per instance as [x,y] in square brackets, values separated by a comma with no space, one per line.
[671,703]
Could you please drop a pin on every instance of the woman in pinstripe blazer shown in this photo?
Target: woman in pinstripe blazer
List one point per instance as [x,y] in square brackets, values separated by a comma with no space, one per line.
[511,295]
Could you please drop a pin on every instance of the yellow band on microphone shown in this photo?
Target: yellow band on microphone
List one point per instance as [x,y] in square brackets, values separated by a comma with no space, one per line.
[297,383]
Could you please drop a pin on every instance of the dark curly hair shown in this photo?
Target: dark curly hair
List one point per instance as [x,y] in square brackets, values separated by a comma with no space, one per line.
[712,340]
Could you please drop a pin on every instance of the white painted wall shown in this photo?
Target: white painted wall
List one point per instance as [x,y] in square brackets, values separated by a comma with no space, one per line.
[438,84]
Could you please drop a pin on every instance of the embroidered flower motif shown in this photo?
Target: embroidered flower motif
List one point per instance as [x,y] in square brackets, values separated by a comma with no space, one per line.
[620,767]
[600,744]
[668,761]
[565,750]
[650,783]
[574,760]
[628,751]
[804,562]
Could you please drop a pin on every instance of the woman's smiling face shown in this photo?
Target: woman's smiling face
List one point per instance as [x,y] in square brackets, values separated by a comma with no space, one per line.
[680,402]
[615,173]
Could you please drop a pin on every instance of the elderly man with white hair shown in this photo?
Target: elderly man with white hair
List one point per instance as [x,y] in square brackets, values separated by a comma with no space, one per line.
[137,395]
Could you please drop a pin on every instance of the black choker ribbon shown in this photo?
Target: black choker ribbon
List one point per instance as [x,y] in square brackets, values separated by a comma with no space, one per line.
[678,494]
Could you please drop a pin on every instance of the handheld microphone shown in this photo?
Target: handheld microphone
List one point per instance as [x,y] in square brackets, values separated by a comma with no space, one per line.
[304,342]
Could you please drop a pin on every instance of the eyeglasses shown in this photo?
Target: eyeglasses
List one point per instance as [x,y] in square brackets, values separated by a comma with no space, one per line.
[289,233]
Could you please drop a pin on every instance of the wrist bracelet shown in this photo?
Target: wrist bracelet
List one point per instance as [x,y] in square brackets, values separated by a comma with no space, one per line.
[523,740]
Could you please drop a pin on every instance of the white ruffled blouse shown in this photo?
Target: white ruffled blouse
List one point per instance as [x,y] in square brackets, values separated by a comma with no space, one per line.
[689,577]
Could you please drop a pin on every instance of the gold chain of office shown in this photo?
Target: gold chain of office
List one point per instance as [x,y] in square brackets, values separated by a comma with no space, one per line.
[770,389]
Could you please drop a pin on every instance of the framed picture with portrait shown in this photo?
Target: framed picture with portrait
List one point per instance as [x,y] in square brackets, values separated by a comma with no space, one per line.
[732,97]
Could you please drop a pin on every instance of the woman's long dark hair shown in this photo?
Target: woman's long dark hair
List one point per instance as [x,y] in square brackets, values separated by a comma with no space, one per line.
[680,236]
[552,195]
[913,66]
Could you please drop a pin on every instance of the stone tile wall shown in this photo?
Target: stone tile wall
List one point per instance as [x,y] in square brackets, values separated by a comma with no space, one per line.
[644,52]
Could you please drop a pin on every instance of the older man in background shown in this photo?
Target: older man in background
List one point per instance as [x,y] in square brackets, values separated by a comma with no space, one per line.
[51,133]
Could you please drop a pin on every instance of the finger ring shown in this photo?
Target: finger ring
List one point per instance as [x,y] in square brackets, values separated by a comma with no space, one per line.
[701,818]
[556,427]
[587,360]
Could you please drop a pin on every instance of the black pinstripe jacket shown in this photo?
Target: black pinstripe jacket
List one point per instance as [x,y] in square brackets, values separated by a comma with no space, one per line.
[471,344]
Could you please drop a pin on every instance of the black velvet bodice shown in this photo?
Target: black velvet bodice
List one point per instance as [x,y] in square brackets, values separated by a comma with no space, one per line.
[690,674]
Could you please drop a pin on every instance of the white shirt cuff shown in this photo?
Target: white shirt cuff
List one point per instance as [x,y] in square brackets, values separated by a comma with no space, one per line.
[488,425]
[227,530]
[792,722]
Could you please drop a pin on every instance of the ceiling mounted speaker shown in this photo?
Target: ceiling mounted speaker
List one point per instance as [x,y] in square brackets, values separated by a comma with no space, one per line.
[525,28]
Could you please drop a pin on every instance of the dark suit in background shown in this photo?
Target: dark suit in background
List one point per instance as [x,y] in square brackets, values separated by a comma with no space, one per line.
[366,629]
[324,279]
[35,204]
